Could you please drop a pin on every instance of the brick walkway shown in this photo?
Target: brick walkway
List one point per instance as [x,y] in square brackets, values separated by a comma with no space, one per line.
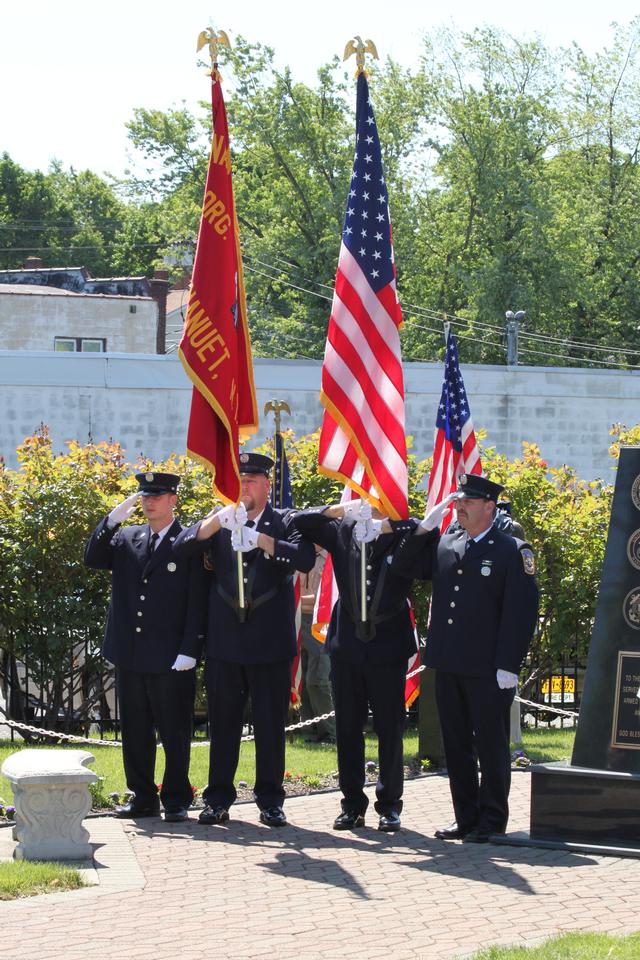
[243,891]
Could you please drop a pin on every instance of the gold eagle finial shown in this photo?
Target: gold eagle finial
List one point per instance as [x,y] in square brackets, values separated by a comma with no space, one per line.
[214,40]
[360,49]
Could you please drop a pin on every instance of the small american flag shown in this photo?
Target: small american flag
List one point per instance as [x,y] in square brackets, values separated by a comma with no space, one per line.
[282,498]
[455,450]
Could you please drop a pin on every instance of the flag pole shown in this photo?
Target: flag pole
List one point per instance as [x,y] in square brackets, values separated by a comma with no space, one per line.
[276,407]
[357,47]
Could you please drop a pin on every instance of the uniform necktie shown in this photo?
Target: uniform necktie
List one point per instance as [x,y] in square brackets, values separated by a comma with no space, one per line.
[250,523]
[152,544]
[470,540]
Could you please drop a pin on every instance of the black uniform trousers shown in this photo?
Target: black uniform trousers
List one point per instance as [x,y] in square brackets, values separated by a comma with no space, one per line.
[162,702]
[355,688]
[475,720]
[228,687]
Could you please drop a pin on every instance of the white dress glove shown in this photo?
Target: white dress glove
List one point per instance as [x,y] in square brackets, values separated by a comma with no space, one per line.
[506,680]
[184,663]
[365,531]
[123,510]
[434,517]
[351,509]
[231,516]
[244,538]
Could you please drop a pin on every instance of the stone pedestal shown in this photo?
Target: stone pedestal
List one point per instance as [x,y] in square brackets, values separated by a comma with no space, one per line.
[580,805]
[51,796]
[595,800]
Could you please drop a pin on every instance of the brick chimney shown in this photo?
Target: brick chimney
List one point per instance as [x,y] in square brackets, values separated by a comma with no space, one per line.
[33,263]
[159,285]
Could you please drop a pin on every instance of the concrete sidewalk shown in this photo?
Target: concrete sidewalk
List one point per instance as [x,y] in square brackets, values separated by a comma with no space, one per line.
[243,891]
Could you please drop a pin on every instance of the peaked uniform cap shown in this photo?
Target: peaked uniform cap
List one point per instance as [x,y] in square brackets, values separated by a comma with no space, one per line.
[255,463]
[478,488]
[151,483]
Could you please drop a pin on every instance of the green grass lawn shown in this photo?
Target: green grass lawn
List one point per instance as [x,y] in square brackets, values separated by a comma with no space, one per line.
[571,946]
[25,878]
[544,745]
[307,760]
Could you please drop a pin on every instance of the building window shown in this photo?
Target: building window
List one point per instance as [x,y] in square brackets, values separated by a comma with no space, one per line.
[88,345]
[132,307]
[80,344]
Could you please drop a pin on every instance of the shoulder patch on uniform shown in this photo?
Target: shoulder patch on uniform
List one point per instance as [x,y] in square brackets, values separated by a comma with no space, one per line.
[528,561]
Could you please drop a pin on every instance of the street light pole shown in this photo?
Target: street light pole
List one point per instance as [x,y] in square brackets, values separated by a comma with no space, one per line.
[511,330]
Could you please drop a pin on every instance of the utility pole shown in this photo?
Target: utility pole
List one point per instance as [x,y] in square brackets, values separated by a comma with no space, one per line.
[511,331]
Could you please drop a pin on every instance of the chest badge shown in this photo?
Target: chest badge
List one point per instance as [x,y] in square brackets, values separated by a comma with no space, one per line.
[485,569]
[171,567]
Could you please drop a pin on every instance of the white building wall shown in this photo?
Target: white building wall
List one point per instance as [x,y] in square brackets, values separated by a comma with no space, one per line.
[31,321]
[143,402]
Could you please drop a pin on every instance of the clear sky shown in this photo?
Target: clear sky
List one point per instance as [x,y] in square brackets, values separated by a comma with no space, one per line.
[72,71]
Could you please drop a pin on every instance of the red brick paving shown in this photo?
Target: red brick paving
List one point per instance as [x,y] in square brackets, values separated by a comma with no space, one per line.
[245,892]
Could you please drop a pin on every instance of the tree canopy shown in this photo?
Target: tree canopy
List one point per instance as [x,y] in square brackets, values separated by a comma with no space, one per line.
[513,178]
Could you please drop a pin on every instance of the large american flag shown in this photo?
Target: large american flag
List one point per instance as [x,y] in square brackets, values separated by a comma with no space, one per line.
[362,441]
[455,450]
[282,498]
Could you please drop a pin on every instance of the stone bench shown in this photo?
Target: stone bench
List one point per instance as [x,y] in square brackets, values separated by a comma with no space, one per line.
[51,797]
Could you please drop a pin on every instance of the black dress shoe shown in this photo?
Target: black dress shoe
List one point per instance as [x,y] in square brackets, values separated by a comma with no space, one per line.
[213,815]
[389,822]
[179,815]
[348,820]
[478,835]
[273,817]
[453,832]
[136,812]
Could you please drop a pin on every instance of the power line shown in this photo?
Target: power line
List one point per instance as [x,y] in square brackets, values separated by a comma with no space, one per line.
[441,317]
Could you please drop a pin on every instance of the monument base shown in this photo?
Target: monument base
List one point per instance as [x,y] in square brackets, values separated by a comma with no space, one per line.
[578,805]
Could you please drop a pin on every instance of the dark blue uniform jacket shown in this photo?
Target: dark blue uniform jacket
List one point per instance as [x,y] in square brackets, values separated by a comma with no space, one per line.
[388,634]
[267,631]
[158,606]
[484,603]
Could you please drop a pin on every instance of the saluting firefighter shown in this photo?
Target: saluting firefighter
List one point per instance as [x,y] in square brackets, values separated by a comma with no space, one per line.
[249,651]
[154,635]
[484,608]
[368,658]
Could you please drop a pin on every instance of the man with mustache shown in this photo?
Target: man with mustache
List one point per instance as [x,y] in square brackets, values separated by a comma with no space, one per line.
[484,609]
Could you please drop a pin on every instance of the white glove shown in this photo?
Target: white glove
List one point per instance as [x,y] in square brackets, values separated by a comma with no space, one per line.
[123,510]
[351,509]
[184,663]
[506,680]
[434,517]
[244,538]
[227,516]
[365,531]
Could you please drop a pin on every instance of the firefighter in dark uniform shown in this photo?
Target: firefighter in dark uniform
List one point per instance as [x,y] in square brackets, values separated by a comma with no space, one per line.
[249,651]
[483,613]
[368,658]
[154,635]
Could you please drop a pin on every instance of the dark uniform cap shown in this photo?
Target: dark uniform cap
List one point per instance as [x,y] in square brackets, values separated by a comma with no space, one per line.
[478,488]
[151,483]
[255,463]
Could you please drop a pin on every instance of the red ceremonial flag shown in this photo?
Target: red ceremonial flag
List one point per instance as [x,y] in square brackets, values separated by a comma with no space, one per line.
[455,450]
[215,348]
[362,441]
